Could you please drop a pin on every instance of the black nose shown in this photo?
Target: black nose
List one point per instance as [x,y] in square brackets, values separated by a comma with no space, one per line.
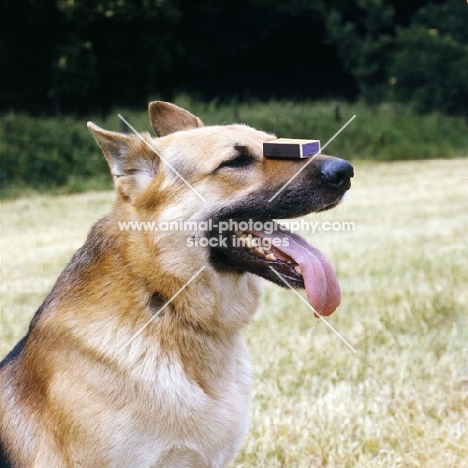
[337,173]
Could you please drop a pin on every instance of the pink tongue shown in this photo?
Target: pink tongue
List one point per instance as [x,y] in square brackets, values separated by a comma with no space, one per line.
[321,285]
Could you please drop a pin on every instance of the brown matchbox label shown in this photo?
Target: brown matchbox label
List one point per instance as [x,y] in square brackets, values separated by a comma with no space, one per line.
[291,148]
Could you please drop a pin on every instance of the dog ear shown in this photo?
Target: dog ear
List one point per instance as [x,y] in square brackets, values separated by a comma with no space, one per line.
[167,118]
[131,161]
[114,146]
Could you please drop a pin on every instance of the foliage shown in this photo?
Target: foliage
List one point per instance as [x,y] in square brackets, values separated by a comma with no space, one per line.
[425,63]
[114,51]
[101,54]
[47,153]
[81,56]
[430,65]
[365,45]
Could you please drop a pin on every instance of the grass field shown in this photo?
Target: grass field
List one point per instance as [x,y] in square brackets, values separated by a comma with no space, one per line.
[402,400]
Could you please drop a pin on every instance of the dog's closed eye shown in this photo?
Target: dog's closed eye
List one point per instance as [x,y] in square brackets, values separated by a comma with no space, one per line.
[242,158]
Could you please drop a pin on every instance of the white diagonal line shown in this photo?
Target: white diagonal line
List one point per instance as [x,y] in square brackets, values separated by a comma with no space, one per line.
[313,310]
[312,158]
[162,308]
[165,161]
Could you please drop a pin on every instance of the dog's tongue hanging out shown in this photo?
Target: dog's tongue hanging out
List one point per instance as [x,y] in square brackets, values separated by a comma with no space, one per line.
[321,284]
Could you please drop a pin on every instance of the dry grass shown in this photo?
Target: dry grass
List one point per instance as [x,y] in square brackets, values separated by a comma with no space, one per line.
[402,401]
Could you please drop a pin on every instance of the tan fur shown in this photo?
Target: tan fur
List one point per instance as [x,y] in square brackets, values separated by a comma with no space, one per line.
[178,394]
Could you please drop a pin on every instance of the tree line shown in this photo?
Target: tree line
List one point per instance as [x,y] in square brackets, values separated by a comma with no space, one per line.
[76,56]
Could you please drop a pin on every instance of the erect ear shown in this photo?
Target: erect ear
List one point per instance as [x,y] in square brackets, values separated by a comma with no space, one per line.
[115,147]
[131,160]
[167,118]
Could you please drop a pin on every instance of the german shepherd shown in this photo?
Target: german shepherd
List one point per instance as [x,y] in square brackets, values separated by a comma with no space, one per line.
[136,358]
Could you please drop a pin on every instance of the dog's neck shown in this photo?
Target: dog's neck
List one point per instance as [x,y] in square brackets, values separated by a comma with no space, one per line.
[124,299]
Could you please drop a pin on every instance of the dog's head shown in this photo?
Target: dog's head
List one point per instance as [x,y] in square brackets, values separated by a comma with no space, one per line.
[217,176]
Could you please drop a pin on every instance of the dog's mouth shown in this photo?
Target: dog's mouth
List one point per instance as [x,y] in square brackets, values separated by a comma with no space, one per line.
[282,257]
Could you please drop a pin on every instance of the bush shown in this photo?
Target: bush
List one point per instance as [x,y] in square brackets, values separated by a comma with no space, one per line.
[59,154]
[431,70]
[46,152]
[424,64]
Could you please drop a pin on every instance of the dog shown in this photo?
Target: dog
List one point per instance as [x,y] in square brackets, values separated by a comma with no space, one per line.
[136,357]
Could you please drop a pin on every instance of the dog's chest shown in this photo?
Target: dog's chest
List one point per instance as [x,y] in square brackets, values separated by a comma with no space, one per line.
[170,417]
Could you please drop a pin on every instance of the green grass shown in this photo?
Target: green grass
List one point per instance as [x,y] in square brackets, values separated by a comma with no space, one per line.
[48,155]
[402,400]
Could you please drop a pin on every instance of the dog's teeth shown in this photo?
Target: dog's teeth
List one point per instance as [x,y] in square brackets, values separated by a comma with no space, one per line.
[298,270]
[239,233]
[259,250]
[249,242]
[271,256]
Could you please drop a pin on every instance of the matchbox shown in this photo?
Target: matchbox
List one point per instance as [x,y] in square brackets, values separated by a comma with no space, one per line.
[291,148]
